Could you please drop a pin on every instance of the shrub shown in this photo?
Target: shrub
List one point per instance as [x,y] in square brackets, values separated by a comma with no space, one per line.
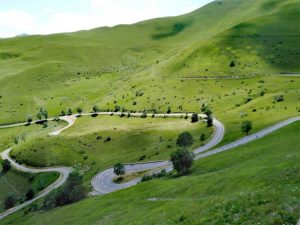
[10,200]
[195,118]
[6,165]
[279,98]
[29,194]
[119,169]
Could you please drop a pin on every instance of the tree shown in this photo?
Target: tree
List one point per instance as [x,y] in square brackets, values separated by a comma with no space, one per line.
[195,118]
[30,194]
[10,200]
[42,113]
[70,112]
[202,137]
[144,114]
[79,110]
[119,169]
[232,64]
[206,110]
[182,160]
[39,115]
[209,121]
[29,119]
[246,126]
[117,108]
[169,110]
[6,165]
[96,109]
[185,139]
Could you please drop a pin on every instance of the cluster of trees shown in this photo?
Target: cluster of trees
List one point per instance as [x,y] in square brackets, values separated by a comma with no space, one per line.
[72,191]
[42,114]
[209,114]
[182,159]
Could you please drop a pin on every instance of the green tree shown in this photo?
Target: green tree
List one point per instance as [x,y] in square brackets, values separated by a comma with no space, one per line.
[10,200]
[79,110]
[195,118]
[202,137]
[209,121]
[119,169]
[185,139]
[96,109]
[30,194]
[169,110]
[70,112]
[182,160]
[247,126]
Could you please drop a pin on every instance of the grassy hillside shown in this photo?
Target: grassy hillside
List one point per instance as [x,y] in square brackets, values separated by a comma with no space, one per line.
[255,183]
[105,67]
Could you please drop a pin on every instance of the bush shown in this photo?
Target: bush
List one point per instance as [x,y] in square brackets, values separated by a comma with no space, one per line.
[10,200]
[144,115]
[117,108]
[29,194]
[72,191]
[6,165]
[162,173]
[279,98]
[119,169]
[96,109]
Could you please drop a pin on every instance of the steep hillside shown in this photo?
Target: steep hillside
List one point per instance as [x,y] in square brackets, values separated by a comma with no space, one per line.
[92,67]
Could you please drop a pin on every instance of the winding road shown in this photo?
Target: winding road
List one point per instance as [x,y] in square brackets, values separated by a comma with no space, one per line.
[103,183]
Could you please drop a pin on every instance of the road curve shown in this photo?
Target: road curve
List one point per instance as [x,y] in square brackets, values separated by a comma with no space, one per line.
[63,171]
[103,183]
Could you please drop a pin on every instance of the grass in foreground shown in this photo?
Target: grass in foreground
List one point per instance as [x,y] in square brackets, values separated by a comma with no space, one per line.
[255,183]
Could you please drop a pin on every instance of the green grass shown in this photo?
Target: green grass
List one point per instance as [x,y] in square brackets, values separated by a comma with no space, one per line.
[84,145]
[20,183]
[255,183]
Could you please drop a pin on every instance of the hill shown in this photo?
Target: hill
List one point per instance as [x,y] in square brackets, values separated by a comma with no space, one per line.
[239,57]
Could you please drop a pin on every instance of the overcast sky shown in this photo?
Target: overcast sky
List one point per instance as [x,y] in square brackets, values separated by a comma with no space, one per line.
[54,16]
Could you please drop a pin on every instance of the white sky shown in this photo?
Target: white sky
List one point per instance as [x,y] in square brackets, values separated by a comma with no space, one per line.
[54,16]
